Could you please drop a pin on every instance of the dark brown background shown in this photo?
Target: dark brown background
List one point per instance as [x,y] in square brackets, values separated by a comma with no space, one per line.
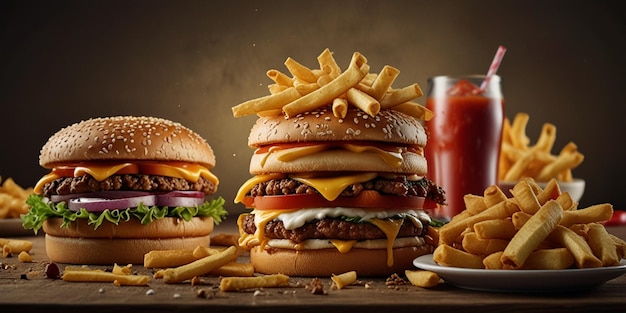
[191,61]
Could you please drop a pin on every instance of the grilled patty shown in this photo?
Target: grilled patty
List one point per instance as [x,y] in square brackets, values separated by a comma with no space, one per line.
[127,182]
[399,186]
[330,228]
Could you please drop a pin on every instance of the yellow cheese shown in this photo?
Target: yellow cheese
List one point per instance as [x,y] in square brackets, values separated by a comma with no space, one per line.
[43,181]
[391,229]
[331,187]
[246,186]
[343,245]
[99,171]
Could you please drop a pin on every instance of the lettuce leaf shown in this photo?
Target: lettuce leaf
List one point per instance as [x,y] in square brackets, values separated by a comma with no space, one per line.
[41,209]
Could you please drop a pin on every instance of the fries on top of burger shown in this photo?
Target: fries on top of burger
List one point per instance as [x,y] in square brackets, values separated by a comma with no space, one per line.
[122,186]
[339,172]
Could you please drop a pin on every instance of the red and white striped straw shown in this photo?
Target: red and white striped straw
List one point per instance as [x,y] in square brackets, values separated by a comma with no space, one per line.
[497,59]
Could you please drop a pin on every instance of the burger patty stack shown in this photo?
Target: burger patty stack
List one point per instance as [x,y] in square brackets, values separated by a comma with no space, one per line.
[339,173]
[122,186]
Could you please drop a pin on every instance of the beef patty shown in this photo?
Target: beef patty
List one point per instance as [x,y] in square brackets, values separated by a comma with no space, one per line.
[399,186]
[127,182]
[330,228]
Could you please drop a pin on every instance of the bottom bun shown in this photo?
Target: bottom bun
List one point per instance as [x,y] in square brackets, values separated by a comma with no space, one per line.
[125,243]
[326,262]
[109,251]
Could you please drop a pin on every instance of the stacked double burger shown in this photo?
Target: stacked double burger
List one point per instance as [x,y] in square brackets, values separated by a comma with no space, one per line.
[122,186]
[335,192]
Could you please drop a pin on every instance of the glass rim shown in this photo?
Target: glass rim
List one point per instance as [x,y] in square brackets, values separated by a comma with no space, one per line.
[461,76]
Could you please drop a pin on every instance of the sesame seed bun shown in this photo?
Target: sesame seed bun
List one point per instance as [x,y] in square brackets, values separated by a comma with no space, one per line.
[126,138]
[388,126]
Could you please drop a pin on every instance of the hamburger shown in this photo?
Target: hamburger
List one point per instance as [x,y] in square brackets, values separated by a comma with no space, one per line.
[122,186]
[335,194]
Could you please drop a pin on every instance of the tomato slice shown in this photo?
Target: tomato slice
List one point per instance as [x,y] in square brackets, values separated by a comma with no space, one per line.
[366,199]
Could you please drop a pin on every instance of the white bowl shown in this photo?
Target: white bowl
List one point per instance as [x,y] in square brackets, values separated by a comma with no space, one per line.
[575,188]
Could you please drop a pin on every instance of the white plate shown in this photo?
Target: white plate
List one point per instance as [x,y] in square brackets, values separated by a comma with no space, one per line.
[530,281]
[13,227]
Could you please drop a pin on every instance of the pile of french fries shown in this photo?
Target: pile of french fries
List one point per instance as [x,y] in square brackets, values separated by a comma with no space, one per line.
[520,159]
[309,89]
[534,229]
[13,199]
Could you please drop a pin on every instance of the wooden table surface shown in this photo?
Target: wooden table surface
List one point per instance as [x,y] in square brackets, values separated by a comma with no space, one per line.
[23,287]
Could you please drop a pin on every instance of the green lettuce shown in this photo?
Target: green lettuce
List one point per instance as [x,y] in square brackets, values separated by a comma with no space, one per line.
[41,209]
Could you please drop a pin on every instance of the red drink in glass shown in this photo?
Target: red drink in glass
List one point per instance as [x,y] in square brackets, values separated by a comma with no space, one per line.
[464,137]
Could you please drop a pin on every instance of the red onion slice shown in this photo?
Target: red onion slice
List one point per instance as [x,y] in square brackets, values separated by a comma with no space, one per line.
[180,198]
[100,194]
[100,204]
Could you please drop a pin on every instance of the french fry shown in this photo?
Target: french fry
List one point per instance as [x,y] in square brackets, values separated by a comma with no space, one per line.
[16,245]
[565,160]
[324,95]
[518,131]
[24,257]
[492,261]
[242,283]
[474,204]
[493,195]
[328,64]
[363,101]
[530,236]
[383,81]
[402,95]
[526,198]
[424,279]
[167,258]
[577,246]
[415,109]
[269,102]
[473,244]
[594,213]
[200,266]
[340,107]
[122,270]
[602,245]
[344,279]
[495,229]
[300,72]
[446,255]
[101,276]
[549,259]
[449,232]
[234,269]
[620,246]
[280,78]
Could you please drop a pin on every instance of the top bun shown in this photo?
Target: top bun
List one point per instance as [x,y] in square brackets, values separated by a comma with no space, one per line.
[321,125]
[126,138]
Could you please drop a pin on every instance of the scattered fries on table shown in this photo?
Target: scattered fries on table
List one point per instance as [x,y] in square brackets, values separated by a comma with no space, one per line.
[534,229]
[519,159]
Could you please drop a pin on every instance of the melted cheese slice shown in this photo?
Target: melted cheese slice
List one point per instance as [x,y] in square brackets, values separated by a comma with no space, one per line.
[246,186]
[100,172]
[343,246]
[391,229]
[331,187]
